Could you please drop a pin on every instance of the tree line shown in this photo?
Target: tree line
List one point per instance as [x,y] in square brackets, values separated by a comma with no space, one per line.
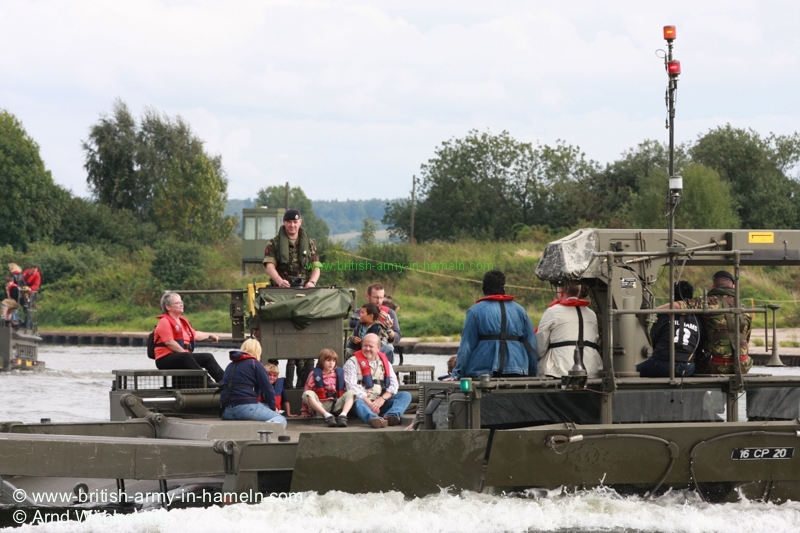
[151,179]
[486,186]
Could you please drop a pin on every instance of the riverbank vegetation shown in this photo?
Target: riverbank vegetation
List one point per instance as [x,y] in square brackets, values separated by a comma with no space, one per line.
[91,288]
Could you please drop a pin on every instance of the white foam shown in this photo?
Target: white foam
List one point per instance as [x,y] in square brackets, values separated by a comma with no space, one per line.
[598,510]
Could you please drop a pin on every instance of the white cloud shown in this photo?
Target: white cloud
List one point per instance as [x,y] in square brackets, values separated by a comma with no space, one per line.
[347,99]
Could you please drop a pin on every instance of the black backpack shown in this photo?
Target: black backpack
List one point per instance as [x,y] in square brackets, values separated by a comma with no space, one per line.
[151,344]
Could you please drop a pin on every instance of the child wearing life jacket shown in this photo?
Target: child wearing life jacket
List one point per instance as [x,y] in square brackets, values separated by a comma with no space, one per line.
[369,321]
[282,404]
[325,391]
[368,317]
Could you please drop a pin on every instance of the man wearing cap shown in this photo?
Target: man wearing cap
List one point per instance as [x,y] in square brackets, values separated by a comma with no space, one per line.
[292,254]
[720,328]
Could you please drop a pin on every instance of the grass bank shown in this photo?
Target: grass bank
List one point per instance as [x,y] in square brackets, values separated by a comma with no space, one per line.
[95,289]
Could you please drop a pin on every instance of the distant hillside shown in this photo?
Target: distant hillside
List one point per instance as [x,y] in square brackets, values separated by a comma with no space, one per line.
[342,216]
[235,207]
[347,216]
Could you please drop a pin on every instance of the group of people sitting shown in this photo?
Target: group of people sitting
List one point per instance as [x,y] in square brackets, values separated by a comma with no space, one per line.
[366,383]
[499,339]
[250,390]
[21,289]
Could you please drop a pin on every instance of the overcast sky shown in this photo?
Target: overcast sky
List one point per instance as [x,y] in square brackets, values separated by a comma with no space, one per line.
[347,99]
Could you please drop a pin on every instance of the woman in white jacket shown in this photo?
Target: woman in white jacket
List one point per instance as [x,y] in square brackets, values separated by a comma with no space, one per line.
[559,331]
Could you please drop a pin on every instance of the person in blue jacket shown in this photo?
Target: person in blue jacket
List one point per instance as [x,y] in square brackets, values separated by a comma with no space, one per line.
[245,385]
[498,337]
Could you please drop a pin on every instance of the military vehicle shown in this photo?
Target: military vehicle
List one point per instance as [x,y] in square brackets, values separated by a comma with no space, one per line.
[19,344]
[725,436]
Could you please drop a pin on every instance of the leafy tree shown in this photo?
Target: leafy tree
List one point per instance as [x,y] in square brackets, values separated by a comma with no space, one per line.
[160,171]
[178,265]
[368,229]
[565,174]
[275,196]
[190,201]
[706,200]
[95,224]
[111,163]
[398,218]
[483,184]
[609,191]
[756,169]
[31,203]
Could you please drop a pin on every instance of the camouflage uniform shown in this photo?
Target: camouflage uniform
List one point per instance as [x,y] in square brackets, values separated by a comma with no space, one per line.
[295,267]
[719,337]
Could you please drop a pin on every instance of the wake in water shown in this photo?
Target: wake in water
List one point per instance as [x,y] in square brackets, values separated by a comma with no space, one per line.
[591,511]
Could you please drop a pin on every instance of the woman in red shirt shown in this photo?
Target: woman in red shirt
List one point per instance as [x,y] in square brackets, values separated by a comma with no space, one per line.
[175,339]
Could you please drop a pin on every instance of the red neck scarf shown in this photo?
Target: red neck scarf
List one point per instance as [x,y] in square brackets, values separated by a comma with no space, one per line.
[496,298]
[570,302]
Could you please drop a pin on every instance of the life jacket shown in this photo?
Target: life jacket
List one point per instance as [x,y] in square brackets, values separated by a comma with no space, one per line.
[236,358]
[319,384]
[503,337]
[366,371]
[283,257]
[278,387]
[579,343]
[177,333]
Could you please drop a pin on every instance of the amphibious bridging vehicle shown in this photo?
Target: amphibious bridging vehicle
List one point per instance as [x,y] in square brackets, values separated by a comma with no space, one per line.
[486,434]
[722,435]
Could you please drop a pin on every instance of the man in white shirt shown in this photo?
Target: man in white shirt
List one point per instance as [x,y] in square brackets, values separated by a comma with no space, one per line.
[369,374]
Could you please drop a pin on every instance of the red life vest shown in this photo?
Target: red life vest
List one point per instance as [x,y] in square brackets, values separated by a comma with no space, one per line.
[278,387]
[177,332]
[319,384]
[366,371]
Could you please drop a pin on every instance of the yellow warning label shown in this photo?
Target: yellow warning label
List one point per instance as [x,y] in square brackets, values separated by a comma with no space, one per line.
[761,237]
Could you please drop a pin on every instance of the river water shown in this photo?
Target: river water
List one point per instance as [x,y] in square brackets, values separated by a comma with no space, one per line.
[75,388]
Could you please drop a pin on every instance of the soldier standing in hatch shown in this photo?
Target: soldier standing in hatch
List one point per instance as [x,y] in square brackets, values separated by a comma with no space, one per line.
[291,254]
[720,328]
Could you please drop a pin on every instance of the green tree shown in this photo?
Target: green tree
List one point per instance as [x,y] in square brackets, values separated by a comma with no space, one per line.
[757,170]
[95,224]
[275,196]
[31,203]
[609,191]
[368,229]
[482,185]
[706,201]
[189,203]
[111,163]
[178,265]
[159,170]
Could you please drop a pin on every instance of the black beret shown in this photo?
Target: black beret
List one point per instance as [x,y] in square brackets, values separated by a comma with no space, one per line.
[724,274]
[294,214]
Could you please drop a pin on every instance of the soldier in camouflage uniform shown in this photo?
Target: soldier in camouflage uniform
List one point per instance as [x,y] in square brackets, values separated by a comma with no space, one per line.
[292,254]
[719,328]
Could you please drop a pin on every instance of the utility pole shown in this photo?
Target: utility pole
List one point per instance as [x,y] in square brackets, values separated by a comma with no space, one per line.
[287,195]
